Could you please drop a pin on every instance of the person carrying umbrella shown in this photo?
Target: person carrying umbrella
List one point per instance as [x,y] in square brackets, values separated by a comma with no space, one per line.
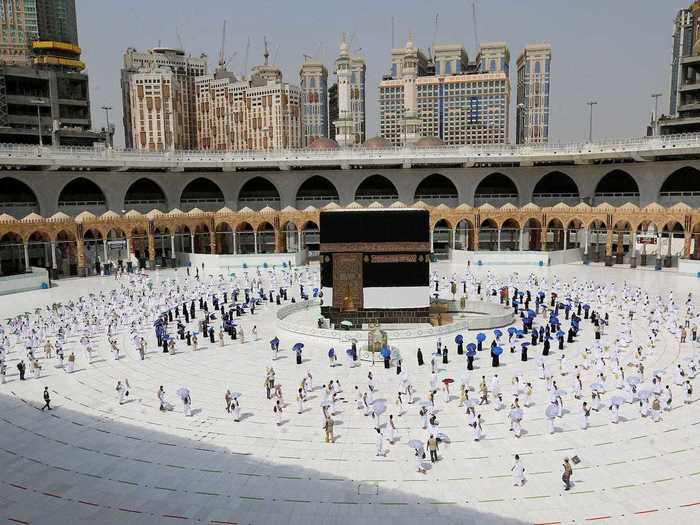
[298,348]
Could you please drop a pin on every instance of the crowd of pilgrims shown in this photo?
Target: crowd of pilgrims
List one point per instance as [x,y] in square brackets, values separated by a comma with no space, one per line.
[591,344]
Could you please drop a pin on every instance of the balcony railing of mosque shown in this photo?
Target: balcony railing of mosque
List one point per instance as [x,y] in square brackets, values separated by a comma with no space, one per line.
[617,198]
[16,152]
[496,199]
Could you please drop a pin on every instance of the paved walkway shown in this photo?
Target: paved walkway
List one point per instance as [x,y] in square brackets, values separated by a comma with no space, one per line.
[91,460]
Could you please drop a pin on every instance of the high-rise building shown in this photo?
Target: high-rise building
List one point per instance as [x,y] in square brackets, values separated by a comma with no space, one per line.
[350,126]
[44,95]
[262,113]
[19,27]
[684,115]
[445,97]
[57,21]
[158,97]
[532,115]
[313,81]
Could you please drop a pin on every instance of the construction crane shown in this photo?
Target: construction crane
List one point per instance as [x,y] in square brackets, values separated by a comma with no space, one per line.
[476,34]
[435,31]
[247,53]
[222,60]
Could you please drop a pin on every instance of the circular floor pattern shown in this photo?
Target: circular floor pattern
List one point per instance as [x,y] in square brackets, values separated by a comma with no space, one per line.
[91,460]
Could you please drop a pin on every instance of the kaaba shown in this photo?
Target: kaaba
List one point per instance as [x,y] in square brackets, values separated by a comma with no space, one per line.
[375,266]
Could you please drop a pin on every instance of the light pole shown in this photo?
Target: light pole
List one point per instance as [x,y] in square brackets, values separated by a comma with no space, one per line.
[590,120]
[656,96]
[38,118]
[109,131]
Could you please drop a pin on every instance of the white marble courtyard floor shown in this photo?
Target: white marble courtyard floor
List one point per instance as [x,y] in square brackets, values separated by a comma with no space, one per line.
[91,460]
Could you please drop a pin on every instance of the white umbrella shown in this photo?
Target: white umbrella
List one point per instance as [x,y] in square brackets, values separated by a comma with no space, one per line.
[551,411]
[644,394]
[517,414]
[617,400]
[598,387]
[183,392]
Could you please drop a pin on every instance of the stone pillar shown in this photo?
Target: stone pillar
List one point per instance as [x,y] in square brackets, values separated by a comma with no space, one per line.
[585,242]
[453,234]
[620,252]
[522,239]
[172,246]
[191,242]
[255,240]
[104,251]
[27,267]
[80,249]
[566,238]
[476,238]
[431,241]
[54,264]
[279,241]
[543,239]
[212,242]
[686,243]
[128,247]
[299,235]
[151,251]
[498,241]
[235,248]
[608,248]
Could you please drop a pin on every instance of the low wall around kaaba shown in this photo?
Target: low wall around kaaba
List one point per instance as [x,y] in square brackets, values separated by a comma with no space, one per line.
[375,265]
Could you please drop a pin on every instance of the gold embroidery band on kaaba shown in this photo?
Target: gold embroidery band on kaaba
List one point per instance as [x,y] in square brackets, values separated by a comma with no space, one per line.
[376,247]
[397,258]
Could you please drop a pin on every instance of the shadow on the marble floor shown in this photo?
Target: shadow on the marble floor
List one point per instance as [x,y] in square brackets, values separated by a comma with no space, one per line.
[248,489]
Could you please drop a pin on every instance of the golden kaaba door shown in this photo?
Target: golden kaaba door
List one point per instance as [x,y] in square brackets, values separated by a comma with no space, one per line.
[347,281]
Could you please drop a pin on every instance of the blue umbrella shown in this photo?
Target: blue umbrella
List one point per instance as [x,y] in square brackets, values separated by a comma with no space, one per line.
[297,347]
[471,349]
[349,352]
[554,320]
[497,333]
[459,339]
[525,344]
[520,333]
[386,353]
[586,306]
[331,352]
[481,337]
[497,350]
[560,334]
[531,313]
[275,341]
[512,330]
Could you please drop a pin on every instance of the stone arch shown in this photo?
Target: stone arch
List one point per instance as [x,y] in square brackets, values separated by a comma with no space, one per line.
[496,189]
[224,238]
[202,238]
[81,194]
[442,237]
[202,193]
[39,249]
[311,237]
[290,237]
[683,185]
[17,198]
[183,239]
[554,239]
[617,187]
[556,187]
[532,234]
[597,239]
[464,234]
[488,235]
[245,238]
[12,260]
[66,253]
[437,189]
[574,233]
[673,236]
[265,237]
[316,191]
[257,193]
[509,235]
[376,188]
[144,195]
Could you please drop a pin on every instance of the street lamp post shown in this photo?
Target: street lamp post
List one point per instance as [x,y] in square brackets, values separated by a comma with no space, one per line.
[656,96]
[38,119]
[590,119]
[109,134]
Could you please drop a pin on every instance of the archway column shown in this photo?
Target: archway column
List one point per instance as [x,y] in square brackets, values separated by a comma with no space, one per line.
[477,234]
[172,246]
[608,247]
[543,238]
[498,240]
[212,243]
[566,238]
[104,250]
[585,242]
[686,243]
[191,242]
[279,241]
[80,249]
[521,246]
[27,268]
[54,265]
[151,251]
[299,249]
[235,247]
[255,240]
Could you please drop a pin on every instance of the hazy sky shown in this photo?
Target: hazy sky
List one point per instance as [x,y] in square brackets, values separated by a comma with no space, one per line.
[617,52]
